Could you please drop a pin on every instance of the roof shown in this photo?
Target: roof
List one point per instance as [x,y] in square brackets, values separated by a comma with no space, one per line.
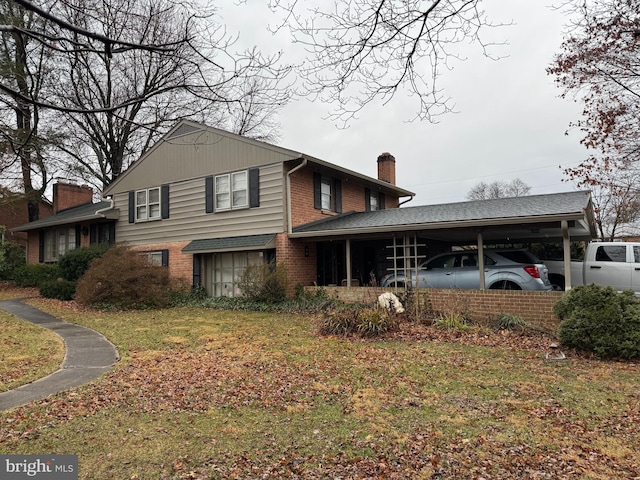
[227,244]
[82,213]
[570,206]
[187,127]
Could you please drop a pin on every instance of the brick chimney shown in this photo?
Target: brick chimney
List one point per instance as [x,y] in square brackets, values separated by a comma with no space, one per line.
[387,168]
[67,195]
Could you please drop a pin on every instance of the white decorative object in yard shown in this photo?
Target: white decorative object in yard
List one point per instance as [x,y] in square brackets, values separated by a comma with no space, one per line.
[389,301]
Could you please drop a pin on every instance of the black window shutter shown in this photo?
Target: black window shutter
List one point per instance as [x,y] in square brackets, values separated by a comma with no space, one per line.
[41,246]
[165,258]
[164,199]
[78,234]
[196,271]
[338,193]
[132,207]
[254,187]
[317,190]
[112,233]
[208,194]
[367,200]
[381,201]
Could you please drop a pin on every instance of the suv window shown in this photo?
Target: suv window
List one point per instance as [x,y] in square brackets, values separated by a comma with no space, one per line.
[519,256]
[447,261]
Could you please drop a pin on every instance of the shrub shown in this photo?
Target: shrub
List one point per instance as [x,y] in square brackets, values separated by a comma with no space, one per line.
[600,320]
[451,321]
[35,275]
[266,282]
[74,263]
[506,321]
[59,289]
[347,319]
[12,256]
[123,278]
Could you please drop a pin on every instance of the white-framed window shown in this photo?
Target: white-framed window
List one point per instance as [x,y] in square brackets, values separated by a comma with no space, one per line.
[148,204]
[232,191]
[58,242]
[373,203]
[227,269]
[326,194]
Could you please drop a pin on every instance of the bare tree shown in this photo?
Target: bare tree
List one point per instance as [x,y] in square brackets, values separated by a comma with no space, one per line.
[366,50]
[499,189]
[126,70]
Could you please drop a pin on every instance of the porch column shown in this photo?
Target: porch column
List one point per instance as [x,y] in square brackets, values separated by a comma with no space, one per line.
[481,260]
[347,251]
[566,249]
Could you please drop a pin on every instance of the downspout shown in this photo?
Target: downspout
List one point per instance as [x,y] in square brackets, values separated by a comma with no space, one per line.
[106,208]
[406,201]
[295,169]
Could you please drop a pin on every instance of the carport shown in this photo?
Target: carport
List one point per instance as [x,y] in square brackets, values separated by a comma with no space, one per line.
[560,217]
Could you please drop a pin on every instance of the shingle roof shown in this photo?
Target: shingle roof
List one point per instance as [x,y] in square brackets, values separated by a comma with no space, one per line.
[502,210]
[247,242]
[89,211]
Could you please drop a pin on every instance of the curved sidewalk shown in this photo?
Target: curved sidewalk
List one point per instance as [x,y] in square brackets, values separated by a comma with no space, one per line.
[88,355]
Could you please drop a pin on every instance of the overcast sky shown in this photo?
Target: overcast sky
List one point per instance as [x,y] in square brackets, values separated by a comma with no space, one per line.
[510,123]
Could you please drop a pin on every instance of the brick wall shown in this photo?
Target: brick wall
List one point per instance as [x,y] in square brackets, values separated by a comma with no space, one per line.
[536,308]
[302,209]
[180,264]
[301,269]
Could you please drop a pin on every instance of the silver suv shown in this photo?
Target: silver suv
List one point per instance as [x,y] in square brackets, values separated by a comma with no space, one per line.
[504,269]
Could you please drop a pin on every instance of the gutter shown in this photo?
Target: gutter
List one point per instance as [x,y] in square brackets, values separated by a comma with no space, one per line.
[295,169]
[110,207]
[406,201]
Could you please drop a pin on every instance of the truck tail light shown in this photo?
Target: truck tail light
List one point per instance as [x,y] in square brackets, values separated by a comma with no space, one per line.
[532,270]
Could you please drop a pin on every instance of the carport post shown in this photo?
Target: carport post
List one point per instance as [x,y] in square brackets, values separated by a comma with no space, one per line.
[481,260]
[347,251]
[566,248]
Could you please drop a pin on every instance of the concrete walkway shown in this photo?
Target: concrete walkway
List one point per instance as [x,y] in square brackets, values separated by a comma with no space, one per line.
[88,355]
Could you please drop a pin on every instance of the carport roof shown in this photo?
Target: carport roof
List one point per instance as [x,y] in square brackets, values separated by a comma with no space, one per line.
[535,216]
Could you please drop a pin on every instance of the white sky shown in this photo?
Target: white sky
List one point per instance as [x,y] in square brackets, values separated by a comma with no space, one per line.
[510,123]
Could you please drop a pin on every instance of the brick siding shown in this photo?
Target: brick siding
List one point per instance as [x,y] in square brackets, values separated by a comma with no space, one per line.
[300,269]
[535,308]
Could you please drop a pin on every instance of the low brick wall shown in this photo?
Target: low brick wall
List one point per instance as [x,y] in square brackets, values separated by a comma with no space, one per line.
[535,308]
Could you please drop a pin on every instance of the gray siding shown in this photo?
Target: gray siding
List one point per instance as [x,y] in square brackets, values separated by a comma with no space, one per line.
[189,221]
[194,155]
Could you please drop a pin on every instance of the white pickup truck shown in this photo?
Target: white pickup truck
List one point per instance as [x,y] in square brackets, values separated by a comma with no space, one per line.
[613,264]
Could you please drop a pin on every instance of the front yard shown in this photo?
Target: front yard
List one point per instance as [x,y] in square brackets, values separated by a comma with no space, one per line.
[205,393]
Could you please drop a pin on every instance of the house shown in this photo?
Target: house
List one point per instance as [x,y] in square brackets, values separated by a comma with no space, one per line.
[206,203]
[14,212]
[76,221]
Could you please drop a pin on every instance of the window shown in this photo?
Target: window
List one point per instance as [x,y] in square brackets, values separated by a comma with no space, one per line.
[58,242]
[373,200]
[231,191]
[327,193]
[159,258]
[227,270]
[148,204]
[612,253]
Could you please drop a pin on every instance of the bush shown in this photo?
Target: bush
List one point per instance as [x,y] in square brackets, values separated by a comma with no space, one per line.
[12,256]
[451,321]
[506,321]
[367,322]
[74,263]
[123,278]
[35,275]
[266,282]
[59,289]
[598,319]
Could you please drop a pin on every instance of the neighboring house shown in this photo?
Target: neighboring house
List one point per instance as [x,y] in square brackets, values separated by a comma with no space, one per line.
[76,221]
[207,203]
[14,212]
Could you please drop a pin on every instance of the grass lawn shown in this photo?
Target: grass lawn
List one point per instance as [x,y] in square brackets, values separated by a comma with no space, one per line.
[202,394]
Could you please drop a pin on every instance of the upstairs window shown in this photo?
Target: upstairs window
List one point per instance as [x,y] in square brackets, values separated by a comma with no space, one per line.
[148,204]
[231,191]
[373,200]
[327,193]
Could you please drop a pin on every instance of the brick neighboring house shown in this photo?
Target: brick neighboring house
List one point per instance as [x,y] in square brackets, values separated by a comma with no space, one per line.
[76,221]
[14,212]
[207,203]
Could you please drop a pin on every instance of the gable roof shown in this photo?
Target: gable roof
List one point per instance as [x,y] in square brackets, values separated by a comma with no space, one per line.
[528,211]
[82,213]
[188,134]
